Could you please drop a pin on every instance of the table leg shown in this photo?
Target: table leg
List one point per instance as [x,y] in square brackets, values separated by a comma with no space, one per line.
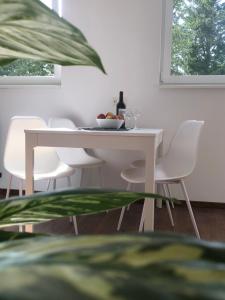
[147,219]
[29,166]
[158,190]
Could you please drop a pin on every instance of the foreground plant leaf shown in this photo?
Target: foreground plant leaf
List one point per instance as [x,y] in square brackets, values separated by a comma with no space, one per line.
[47,206]
[129,267]
[12,236]
[29,29]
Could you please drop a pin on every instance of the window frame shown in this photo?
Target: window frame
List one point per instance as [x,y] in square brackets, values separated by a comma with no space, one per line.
[165,72]
[54,80]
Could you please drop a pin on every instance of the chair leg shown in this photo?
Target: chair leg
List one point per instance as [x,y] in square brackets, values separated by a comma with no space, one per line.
[123,210]
[101,183]
[141,225]
[69,183]
[75,225]
[159,203]
[168,206]
[21,227]
[190,208]
[121,218]
[9,186]
[54,184]
[48,185]
[82,178]
[74,218]
[21,188]
[128,207]
[169,193]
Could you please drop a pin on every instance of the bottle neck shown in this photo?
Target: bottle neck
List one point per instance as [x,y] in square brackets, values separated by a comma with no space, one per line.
[121,97]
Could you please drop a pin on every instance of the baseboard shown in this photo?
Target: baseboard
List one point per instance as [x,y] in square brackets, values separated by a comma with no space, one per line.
[207,204]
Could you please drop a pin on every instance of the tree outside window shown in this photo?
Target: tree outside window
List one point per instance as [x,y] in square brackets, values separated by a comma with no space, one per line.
[195,33]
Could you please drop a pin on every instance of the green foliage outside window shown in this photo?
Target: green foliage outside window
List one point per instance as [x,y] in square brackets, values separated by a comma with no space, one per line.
[26,67]
[198,37]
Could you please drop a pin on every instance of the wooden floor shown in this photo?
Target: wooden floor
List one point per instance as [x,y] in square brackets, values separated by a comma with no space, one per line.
[211,222]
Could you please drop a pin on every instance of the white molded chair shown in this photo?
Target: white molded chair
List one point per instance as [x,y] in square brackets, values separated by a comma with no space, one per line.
[76,158]
[174,167]
[46,161]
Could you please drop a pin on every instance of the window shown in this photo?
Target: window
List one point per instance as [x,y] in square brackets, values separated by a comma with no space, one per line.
[25,71]
[193,42]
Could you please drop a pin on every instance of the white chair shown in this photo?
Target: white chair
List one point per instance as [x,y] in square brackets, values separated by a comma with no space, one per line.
[76,158]
[46,162]
[174,167]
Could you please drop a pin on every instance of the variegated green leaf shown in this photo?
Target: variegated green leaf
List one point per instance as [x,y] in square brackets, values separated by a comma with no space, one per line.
[11,236]
[123,267]
[29,29]
[47,206]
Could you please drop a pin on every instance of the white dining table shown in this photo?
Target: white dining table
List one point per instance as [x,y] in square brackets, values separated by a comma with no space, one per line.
[145,140]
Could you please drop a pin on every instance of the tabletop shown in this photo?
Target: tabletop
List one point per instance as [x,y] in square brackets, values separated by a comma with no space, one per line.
[131,132]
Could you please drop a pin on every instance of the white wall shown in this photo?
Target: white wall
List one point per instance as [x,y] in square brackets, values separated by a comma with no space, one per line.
[126,33]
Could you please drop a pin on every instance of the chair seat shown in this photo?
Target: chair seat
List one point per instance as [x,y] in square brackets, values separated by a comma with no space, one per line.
[61,171]
[138,163]
[137,175]
[86,161]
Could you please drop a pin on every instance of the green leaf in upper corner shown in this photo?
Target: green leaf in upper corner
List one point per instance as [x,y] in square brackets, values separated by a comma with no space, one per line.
[43,207]
[30,30]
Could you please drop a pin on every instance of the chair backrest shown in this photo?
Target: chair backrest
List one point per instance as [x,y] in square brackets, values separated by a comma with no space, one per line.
[181,157]
[61,123]
[70,156]
[45,158]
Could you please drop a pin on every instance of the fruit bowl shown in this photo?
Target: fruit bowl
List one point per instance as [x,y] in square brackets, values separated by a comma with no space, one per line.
[109,123]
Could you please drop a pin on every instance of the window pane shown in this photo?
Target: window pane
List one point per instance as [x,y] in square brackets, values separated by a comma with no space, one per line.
[25,67]
[198,37]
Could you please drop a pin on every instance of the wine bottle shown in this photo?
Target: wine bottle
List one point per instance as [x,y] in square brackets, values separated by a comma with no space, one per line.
[121,108]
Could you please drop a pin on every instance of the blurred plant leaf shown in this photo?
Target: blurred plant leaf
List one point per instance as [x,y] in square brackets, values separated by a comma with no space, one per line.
[47,206]
[129,267]
[30,30]
[12,236]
